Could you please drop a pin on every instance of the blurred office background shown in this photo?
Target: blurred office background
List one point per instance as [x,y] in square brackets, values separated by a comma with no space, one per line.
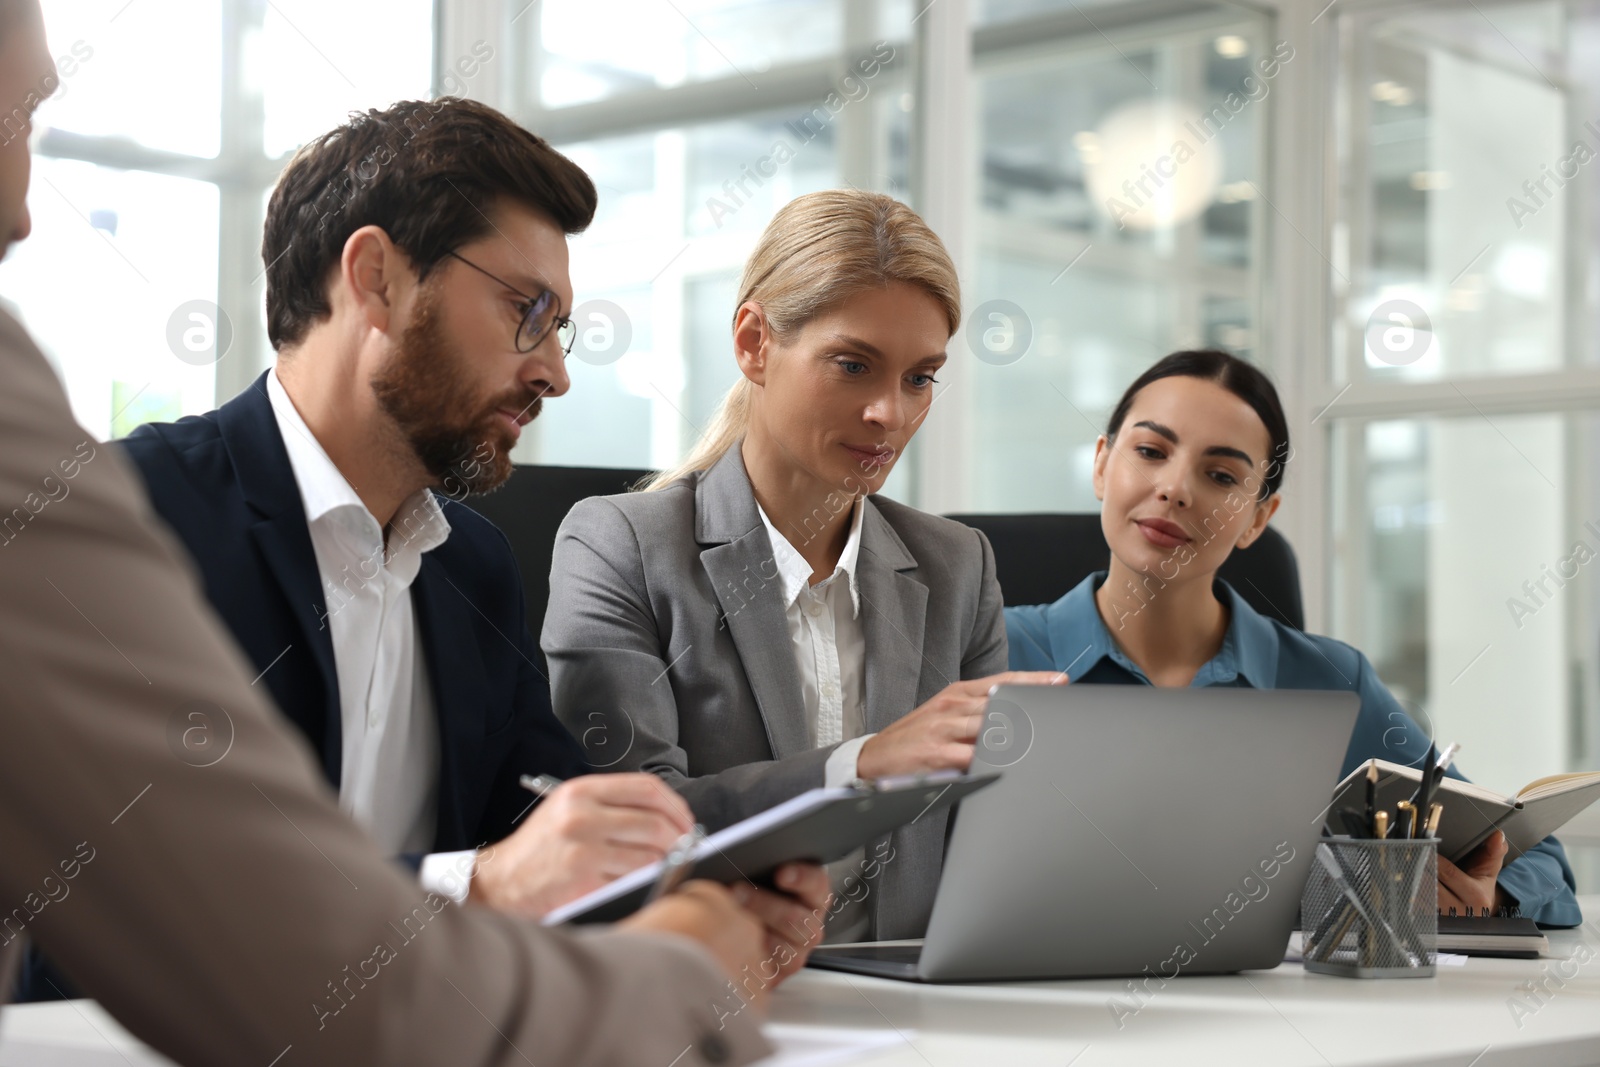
[1390,206]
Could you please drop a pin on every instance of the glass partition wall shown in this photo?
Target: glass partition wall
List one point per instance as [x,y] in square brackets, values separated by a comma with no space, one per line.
[703,121]
[1460,400]
[1117,217]
[1071,284]
[142,281]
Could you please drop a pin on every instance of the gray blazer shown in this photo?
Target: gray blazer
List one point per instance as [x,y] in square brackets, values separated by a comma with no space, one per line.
[669,651]
[169,840]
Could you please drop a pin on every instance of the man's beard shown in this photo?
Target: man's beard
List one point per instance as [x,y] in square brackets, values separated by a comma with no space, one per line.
[459,440]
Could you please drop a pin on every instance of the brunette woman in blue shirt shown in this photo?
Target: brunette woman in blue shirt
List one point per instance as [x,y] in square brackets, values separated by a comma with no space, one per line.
[1188,470]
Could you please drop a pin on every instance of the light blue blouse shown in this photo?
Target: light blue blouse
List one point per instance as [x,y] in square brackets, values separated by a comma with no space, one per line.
[1263,653]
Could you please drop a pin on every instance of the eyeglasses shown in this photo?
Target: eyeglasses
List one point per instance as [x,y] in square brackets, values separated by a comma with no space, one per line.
[541,314]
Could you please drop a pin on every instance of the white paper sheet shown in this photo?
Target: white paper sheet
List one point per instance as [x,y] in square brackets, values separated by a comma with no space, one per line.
[823,1046]
[1296,954]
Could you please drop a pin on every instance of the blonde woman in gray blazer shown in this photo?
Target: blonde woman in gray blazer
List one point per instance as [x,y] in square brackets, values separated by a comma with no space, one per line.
[758,622]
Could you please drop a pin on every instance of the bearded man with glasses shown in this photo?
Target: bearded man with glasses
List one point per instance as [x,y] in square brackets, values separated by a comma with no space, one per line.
[417,290]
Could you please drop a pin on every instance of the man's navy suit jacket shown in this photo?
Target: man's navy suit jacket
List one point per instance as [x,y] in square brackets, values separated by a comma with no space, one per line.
[223,482]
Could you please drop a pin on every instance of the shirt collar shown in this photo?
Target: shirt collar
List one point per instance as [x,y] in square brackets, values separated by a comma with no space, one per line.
[419,526]
[322,486]
[1255,639]
[1079,639]
[795,573]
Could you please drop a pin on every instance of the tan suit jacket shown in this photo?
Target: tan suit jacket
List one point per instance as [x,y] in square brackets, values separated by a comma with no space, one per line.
[168,840]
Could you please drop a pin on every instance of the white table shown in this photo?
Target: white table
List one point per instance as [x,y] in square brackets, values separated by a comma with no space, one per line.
[1282,1017]
[1461,1018]
[72,1033]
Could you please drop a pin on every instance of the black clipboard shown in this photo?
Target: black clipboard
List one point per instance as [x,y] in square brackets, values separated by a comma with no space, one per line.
[818,826]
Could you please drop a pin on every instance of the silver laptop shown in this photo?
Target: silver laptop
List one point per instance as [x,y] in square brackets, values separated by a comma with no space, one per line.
[1134,830]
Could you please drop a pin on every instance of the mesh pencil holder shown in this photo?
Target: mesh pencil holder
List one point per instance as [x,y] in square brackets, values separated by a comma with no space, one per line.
[1370,908]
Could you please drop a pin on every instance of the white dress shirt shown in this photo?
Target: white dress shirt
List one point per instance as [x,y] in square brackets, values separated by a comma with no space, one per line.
[389,781]
[830,649]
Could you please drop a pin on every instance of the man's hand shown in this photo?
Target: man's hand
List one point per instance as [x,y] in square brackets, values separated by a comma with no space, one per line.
[585,833]
[711,915]
[942,734]
[1472,886]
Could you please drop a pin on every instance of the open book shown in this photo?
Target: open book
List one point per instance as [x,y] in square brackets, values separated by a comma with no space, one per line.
[1471,812]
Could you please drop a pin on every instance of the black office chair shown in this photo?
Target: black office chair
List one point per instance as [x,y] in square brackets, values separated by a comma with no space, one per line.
[1038,558]
[529,509]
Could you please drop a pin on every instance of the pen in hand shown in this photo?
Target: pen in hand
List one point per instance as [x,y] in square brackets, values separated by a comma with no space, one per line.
[539,786]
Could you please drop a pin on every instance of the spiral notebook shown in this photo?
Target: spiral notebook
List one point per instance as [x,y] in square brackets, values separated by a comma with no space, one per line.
[1505,935]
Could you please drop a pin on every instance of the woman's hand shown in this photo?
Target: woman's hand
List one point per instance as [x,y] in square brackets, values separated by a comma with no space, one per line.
[1472,886]
[713,916]
[795,919]
[760,937]
[941,734]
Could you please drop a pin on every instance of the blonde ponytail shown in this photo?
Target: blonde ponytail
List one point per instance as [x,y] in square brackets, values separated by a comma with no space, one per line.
[818,251]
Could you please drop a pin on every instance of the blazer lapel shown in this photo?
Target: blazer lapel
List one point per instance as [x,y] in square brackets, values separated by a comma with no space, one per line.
[744,576]
[445,629]
[261,463]
[893,616]
[894,611]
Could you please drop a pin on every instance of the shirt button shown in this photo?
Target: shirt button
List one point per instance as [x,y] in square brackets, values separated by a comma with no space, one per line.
[814,609]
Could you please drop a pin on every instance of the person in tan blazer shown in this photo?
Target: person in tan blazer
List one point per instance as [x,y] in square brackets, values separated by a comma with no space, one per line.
[222,908]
